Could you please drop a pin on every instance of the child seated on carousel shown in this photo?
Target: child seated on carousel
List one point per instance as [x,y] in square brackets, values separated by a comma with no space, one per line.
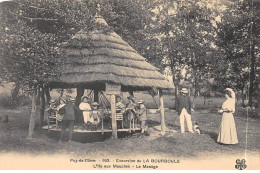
[95,116]
[52,107]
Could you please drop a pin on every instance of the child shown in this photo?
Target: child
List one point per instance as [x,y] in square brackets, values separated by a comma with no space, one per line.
[141,112]
[95,116]
[85,107]
[120,107]
[60,114]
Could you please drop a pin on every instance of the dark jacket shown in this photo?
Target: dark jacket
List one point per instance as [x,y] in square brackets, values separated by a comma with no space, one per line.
[183,102]
[69,111]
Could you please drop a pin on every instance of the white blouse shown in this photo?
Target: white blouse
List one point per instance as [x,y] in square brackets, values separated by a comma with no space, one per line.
[229,104]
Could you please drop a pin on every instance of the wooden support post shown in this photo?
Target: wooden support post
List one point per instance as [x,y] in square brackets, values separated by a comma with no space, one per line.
[33,115]
[42,106]
[96,96]
[113,113]
[162,112]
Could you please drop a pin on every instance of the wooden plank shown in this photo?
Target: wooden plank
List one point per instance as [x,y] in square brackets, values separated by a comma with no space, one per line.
[113,113]
[113,89]
[162,112]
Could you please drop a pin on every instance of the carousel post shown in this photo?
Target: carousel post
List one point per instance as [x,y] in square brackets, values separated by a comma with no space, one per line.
[113,113]
[162,112]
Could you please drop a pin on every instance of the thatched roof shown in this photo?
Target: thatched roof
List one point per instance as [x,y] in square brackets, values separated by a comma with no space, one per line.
[94,58]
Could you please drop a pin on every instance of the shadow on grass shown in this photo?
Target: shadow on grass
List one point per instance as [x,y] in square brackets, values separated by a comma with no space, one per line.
[212,135]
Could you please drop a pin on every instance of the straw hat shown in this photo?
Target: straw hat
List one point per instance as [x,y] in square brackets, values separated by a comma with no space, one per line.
[184,90]
[63,99]
[95,104]
[119,96]
[52,101]
[141,101]
[84,97]
[71,99]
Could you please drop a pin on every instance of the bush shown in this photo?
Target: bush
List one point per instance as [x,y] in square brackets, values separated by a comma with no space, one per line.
[6,100]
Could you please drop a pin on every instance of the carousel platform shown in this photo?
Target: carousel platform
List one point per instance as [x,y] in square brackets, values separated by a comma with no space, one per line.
[79,129]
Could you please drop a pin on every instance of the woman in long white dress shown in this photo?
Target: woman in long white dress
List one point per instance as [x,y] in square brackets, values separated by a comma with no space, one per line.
[227,130]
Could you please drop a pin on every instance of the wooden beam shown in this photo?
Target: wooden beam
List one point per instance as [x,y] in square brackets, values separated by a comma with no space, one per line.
[162,112]
[96,96]
[113,113]
[42,106]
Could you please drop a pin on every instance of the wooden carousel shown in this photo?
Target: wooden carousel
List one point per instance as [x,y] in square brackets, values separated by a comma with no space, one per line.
[108,69]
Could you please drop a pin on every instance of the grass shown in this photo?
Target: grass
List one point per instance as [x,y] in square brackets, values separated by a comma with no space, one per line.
[172,144]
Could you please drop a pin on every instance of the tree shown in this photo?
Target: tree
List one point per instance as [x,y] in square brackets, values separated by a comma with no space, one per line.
[238,34]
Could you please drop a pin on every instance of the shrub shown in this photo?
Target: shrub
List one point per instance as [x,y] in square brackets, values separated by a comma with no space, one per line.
[21,100]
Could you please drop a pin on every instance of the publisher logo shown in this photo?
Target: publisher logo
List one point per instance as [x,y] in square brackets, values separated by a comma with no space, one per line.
[240,164]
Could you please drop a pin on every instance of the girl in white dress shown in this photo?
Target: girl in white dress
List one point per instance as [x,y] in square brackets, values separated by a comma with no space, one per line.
[227,130]
[86,108]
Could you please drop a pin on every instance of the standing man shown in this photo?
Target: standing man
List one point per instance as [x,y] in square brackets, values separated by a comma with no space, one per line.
[184,108]
[68,120]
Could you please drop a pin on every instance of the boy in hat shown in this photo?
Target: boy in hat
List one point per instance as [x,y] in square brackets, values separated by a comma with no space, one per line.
[142,115]
[184,109]
[85,107]
[68,120]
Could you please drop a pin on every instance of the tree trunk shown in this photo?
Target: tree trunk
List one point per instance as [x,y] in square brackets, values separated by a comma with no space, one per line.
[243,98]
[15,93]
[42,107]
[252,77]
[38,96]
[33,115]
[162,112]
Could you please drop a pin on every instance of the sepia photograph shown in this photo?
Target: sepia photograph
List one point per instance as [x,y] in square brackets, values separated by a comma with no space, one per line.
[129,85]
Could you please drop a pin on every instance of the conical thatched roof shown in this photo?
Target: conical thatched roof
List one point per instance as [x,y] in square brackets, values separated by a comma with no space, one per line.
[110,59]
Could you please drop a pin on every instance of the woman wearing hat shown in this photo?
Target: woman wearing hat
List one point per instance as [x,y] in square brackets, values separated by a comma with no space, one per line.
[227,130]
[184,108]
[86,108]
[130,113]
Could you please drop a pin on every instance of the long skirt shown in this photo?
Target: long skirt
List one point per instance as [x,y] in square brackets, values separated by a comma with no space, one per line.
[227,130]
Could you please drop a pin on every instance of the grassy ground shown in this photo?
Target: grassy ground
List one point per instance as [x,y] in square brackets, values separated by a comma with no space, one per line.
[173,144]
